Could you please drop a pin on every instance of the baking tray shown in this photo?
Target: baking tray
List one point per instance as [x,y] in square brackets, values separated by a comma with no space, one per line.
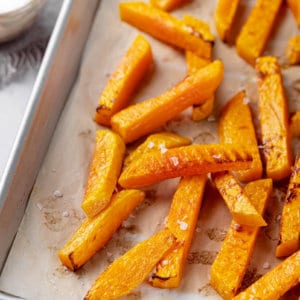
[32,267]
[54,80]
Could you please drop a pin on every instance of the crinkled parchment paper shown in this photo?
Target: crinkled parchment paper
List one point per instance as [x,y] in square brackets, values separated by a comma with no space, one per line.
[33,270]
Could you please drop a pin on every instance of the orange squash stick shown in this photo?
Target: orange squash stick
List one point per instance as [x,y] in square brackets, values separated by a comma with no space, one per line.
[129,270]
[167,5]
[224,16]
[195,62]
[104,171]
[190,160]
[182,220]
[295,7]
[290,221]
[157,141]
[274,122]
[164,27]
[255,33]
[231,263]
[124,80]
[238,203]
[142,118]
[293,49]
[236,127]
[94,232]
[276,282]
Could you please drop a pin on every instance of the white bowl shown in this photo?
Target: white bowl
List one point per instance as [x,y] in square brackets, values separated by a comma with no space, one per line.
[16,16]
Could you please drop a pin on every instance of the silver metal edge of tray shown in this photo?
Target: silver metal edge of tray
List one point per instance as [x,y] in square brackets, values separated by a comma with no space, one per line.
[52,86]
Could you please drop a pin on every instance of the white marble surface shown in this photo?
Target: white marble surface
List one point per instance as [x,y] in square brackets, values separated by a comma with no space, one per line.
[19,63]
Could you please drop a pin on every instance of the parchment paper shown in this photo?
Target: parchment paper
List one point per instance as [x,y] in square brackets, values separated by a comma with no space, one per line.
[33,270]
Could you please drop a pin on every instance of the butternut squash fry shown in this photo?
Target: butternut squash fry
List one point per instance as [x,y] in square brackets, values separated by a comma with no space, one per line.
[190,160]
[124,80]
[164,27]
[157,141]
[231,263]
[293,49]
[104,171]
[273,115]
[255,33]
[167,5]
[195,62]
[239,205]
[129,270]
[224,16]
[276,282]
[290,223]
[94,232]
[295,8]
[295,124]
[142,118]
[182,220]
[236,127]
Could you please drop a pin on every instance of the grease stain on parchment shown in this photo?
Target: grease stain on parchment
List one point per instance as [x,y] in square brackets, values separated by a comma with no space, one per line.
[207,290]
[216,234]
[201,257]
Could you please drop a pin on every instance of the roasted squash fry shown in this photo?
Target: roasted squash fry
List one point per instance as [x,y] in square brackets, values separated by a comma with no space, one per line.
[276,282]
[181,222]
[129,270]
[293,49]
[164,27]
[224,16]
[239,205]
[290,221]
[295,124]
[94,232]
[195,62]
[230,265]
[104,171]
[273,115]
[157,141]
[236,127]
[254,35]
[295,7]
[142,118]
[190,160]
[167,5]
[124,80]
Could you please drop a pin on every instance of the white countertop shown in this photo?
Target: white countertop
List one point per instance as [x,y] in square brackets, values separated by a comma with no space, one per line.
[19,64]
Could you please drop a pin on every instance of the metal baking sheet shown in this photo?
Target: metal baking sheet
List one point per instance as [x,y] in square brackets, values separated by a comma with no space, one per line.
[32,270]
[56,76]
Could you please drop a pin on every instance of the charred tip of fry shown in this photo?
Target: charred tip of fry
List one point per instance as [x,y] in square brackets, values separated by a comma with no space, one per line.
[102,107]
[154,276]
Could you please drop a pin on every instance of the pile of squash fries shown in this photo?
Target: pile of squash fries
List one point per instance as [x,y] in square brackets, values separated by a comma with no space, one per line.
[242,171]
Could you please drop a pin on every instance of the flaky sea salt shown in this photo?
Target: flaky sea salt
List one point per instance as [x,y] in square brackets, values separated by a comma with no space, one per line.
[164,262]
[183,225]
[237,227]
[246,101]
[150,145]
[217,156]
[174,161]
[39,206]
[211,118]
[266,265]
[57,194]
[162,148]
[278,218]
[65,214]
